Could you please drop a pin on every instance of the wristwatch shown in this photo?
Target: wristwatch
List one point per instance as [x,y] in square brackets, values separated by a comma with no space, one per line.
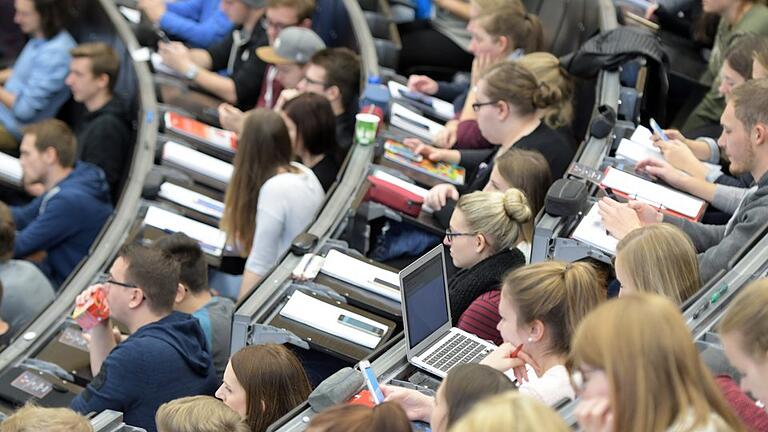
[191,72]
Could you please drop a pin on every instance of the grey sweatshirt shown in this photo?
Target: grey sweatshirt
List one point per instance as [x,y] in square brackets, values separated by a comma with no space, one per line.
[716,244]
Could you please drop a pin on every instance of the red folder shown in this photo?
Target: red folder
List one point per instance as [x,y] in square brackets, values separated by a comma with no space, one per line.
[393,196]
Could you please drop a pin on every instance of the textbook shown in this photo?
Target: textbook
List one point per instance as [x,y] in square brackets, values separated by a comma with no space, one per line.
[193,129]
[361,274]
[592,232]
[667,200]
[442,171]
[212,240]
[440,108]
[413,123]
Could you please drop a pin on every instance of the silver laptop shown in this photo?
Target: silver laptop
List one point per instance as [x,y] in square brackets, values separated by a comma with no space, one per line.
[432,343]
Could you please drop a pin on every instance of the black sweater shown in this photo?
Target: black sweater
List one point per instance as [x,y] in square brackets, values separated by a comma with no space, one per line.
[468,284]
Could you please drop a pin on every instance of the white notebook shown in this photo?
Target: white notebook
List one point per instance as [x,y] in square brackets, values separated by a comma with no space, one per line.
[326,318]
[212,240]
[10,169]
[199,162]
[442,108]
[361,274]
[414,123]
[191,199]
[640,147]
[592,232]
[656,195]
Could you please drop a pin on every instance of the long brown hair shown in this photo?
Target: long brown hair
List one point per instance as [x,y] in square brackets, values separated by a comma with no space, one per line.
[264,148]
[655,374]
[387,417]
[467,384]
[748,316]
[274,382]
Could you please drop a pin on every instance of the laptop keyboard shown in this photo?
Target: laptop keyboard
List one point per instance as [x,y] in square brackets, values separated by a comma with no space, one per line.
[456,350]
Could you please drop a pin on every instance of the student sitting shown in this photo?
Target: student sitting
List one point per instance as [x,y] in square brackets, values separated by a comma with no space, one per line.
[387,417]
[310,120]
[658,259]
[262,383]
[104,135]
[736,17]
[463,387]
[240,84]
[540,307]
[26,290]
[198,23]
[511,412]
[34,89]
[68,216]
[269,200]
[194,297]
[483,234]
[335,74]
[33,418]
[745,141]
[637,369]
[164,358]
[198,414]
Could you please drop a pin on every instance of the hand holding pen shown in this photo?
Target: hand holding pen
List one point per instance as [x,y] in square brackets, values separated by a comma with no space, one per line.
[508,356]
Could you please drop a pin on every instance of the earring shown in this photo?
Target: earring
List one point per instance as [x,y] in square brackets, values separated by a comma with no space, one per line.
[530,339]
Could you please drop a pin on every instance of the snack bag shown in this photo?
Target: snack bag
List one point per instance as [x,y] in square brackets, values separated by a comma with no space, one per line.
[91,309]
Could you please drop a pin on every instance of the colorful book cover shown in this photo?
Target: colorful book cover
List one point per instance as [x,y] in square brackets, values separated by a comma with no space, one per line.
[200,131]
[443,171]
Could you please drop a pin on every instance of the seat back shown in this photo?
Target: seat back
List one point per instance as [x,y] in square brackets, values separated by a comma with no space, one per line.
[567,23]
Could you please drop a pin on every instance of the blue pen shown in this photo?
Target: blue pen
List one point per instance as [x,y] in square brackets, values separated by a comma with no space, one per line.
[656,128]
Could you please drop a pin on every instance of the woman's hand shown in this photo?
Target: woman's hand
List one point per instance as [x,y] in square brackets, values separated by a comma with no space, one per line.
[422,84]
[432,153]
[595,415]
[446,138]
[417,406]
[505,358]
[439,195]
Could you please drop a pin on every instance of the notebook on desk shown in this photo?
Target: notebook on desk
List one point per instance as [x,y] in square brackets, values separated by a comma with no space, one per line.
[431,342]
[192,160]
[591,231]
[211,240]
[190,128]
[441,109]
[414,123]
[640,147]
[361,274]
[440,171]
[191,200]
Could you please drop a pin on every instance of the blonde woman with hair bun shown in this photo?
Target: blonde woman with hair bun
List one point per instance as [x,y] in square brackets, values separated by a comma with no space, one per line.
[658,259]
[511,412]
[637,369]
[482,236]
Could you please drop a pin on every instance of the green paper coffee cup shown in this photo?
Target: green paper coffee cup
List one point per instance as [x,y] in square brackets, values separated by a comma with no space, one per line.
[365,128]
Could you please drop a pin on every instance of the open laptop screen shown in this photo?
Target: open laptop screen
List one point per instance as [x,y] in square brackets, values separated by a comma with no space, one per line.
[425,300]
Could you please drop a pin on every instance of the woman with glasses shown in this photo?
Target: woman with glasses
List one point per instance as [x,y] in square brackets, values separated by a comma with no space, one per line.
[482,235]
[636,369]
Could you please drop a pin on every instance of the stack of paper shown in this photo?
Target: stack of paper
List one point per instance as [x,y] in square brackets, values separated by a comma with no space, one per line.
[196,161]
[325,317]
[442,109]
[592,232]
[369,277]
[661,197]
[192,200]
[414,123]
[10,169]
[212,240]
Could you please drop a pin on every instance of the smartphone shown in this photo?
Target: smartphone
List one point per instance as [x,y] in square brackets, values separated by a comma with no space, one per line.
[360,325]
[163,37]
[656,128]
[371,382]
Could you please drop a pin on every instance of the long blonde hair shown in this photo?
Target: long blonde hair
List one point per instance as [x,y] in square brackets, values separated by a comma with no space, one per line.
[660,259]
[198,414]
[556,293]
[655,375]
[748,316]
[499,216]
[511,412]
[546,67]
[521,29]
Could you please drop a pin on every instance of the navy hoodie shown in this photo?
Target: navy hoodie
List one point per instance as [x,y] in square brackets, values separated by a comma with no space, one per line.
[64,221]
[162,361]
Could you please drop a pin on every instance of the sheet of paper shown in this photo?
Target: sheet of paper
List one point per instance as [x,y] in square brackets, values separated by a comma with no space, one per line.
[191,199]
[442,108]
[414,123]
[211,239]
[389,178]
[10,169]
[592,232]
[652,193]
[362,274]
[325,317]
[196,161]
[130,14]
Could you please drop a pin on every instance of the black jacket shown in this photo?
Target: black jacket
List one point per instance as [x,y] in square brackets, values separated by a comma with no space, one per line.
[104,139]
[468,284]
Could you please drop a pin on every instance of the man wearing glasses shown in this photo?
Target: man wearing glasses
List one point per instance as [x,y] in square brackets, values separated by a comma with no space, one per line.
[166,355]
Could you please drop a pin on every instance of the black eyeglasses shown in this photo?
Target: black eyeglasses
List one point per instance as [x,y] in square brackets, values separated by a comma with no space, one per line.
[450,234]
[266,23]
[476,106]
[315,82]
[106,278]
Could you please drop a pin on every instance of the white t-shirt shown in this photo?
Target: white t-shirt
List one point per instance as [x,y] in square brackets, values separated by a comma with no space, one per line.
[551,387]
[287,205]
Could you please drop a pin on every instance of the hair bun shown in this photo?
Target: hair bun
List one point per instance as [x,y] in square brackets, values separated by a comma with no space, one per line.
[516,205]
[546,95]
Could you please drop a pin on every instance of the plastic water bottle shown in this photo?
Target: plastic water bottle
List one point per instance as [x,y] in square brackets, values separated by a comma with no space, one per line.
[375,94]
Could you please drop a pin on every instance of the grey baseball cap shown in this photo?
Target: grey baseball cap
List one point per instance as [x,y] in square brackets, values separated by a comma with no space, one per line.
[255,4]
[293,45]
